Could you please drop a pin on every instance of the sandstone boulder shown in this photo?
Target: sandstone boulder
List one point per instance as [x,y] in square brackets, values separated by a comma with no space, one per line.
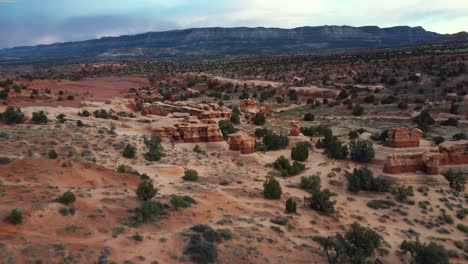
[454,152]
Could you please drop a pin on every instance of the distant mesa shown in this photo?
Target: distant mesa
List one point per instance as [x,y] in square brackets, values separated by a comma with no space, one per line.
[225,42]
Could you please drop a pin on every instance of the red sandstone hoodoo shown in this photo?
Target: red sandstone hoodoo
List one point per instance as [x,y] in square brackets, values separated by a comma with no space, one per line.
[449,153]
[295,129]
[400,137]
[242,142]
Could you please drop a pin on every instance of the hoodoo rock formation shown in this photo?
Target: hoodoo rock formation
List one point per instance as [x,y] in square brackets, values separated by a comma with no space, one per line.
[400,137]
[248,104]
[242,142]
[427,162]
[454,152]
[295,129]
[190,133]
[202,111]
[449,153]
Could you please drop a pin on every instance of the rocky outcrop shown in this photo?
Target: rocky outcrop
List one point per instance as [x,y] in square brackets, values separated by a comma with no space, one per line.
[202,111]
[248,104]
[454,152]
[427,162]
[449,153]
[400,137]
[241,142]
[295,129]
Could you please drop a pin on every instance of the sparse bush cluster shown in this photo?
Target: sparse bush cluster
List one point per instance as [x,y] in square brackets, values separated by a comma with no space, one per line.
[355,246]
[270,140]
[364,180]
[362,151]
[12,116]
[286,168]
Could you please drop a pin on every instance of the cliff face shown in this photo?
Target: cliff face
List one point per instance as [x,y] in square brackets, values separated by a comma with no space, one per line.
[220,42]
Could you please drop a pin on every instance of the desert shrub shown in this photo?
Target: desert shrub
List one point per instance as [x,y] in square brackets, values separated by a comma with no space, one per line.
[52,154]
[334,148]
[459,136]
[320,201]
[121,168]
[61,118]
[190,175]
[382,136]
[284,166]
[362,243]
[454,107]
[362,151]
[155,150]
[177,202]
[100,114]
[271,189]
[342,95]
[311,184]
[456,180]
[201,251]
[424,120]
[463,228]
[356,246]
[300,152]
[84,113]
[446,218]
[309,117]
[148,210]
[438,140]
[235,118]
[146,190]
[198,150]
[15,217]
[79,123]
[225,233]
[390,99]
[354,134]
[319,130]
[67,198]
[363,180]
[292,95]
[431,253]
[12,116]
[381,204]
[4,160]
[291,205]
[129,151]
[273,141]
[450,122]
[403,193]
[370,98]
[402,105]
[259,119]
[358,110]
[39,118]
[261,132]
[226,128]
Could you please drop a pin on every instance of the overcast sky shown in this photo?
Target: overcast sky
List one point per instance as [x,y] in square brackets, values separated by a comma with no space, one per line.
[31,22]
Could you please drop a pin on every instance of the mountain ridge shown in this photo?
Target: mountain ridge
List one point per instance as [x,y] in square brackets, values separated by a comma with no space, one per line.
[225,42]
